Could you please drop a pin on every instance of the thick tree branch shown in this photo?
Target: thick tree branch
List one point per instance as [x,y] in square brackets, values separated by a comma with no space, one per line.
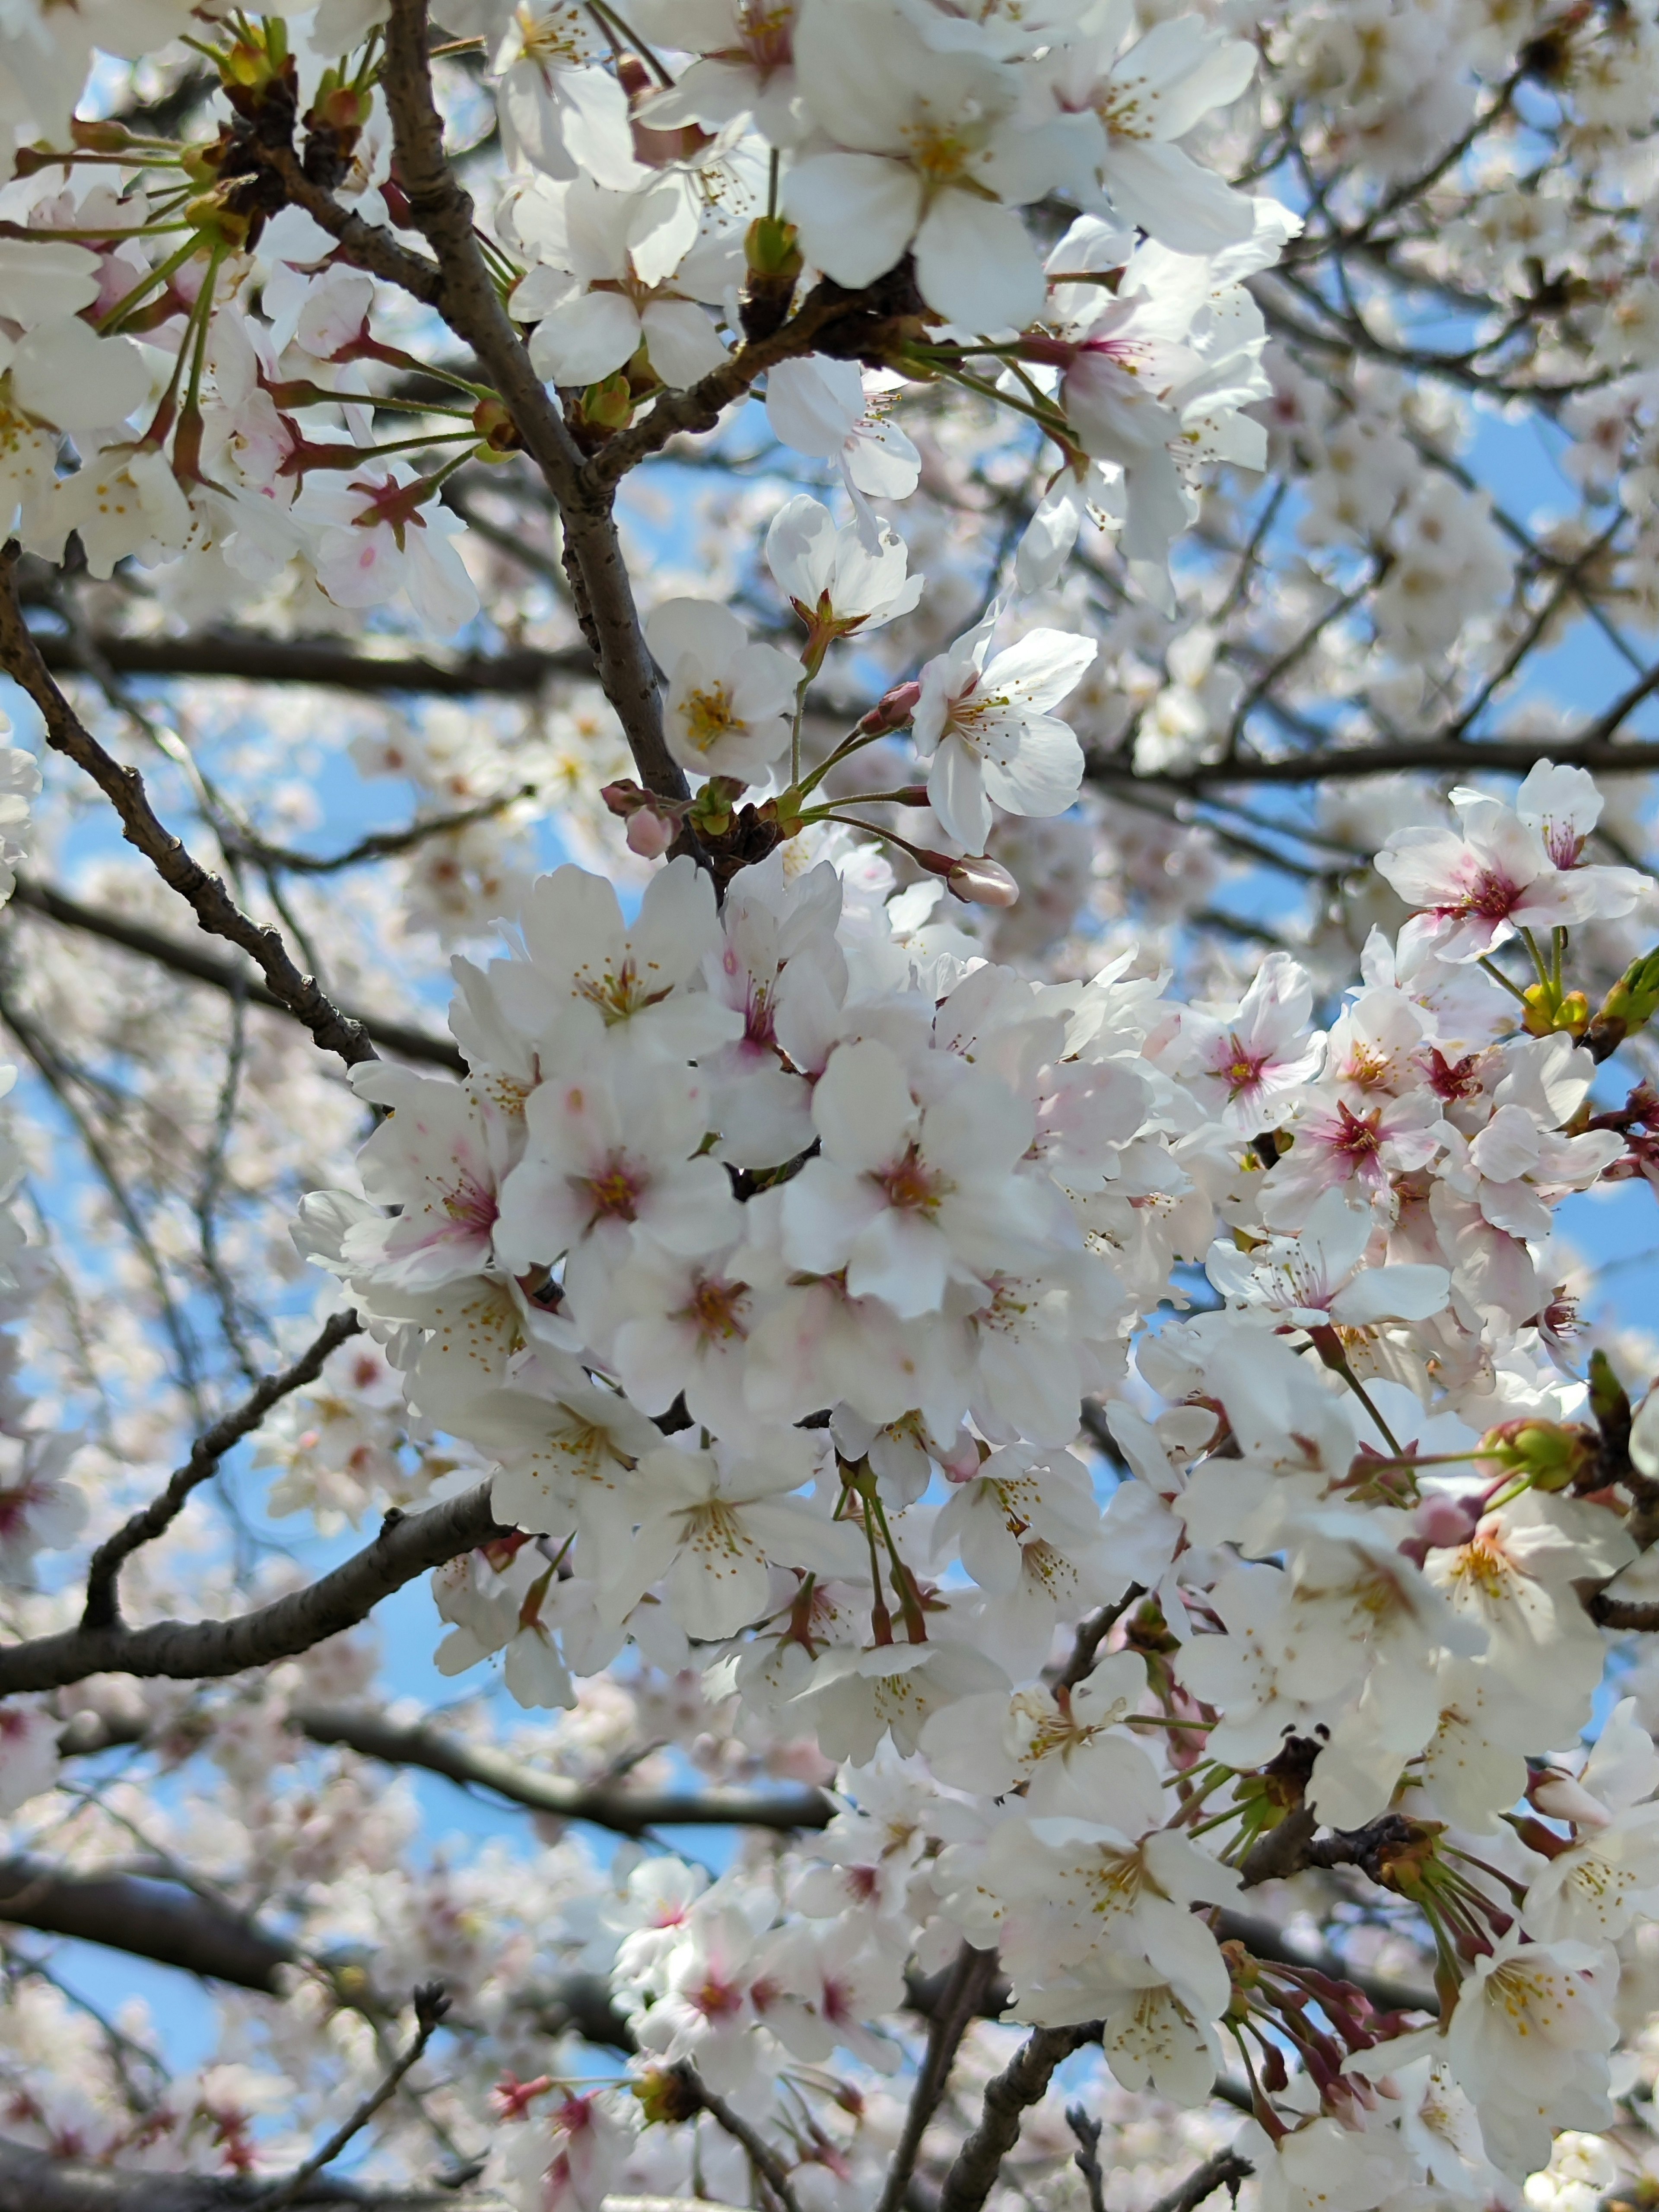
[103,1597]
[146,1919]
[470,304]
[1224,2170]
[409,1544]
[1622,1613]
[35,2181]
[401,1038]
[627,1812]
[215,909]
[967,1985]
[1008,2097]
[517,671]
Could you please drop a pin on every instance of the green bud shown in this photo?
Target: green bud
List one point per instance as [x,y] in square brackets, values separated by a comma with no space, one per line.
[609,405]
[1609,1401]
[1549,1012]
[1541,1455]
[1629,1006]
[770,249]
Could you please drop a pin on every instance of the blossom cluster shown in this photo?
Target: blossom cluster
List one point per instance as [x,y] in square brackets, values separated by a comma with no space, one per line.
[769,1250]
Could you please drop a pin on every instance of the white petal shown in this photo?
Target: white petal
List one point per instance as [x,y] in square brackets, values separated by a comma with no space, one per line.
[856,213]
[586,340]
[68,376]
[683,343]
[956,792]
[977,264]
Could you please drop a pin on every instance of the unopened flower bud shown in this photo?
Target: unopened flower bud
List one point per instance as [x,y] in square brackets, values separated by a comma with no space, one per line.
[980,882]
[609,405]
[1544,1455]
[1629,1006]
[1441,1524]
[892,710]
[771,249]
[498,432]
[650,834]
[1548,1013]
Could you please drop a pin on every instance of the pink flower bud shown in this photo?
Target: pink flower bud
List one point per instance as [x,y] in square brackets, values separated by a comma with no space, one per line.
[649,833]
[623,798]
[892,710]
[980,882]
[1442,1522]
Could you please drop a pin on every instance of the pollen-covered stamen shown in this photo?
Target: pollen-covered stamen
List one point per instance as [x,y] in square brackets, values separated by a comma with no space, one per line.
[766,29]
[717,1310]
[471,1204]
[1492,895]
[1240,1068]
[709,716]
[911,1185]
[1361,1134]
[615,1192]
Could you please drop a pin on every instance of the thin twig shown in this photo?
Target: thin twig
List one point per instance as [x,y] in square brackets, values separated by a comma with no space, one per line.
[970,1979]
[1086,2157]
[765,2160]
[215,908]
[431,2006]
[102,1607]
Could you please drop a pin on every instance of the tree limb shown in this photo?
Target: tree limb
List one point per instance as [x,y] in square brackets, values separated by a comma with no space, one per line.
[215,909]
[401,1038]
[34,2181]
[516,671]
[146,1919]
[967,1986]
[1226,2169]
[103,1598]
[409,1544]
[1008,2096]
[625,1811]
[467,297]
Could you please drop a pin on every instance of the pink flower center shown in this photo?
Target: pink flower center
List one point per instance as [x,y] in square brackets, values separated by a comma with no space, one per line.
[1491,895]
[911,1185]
[471,1206]
[1239,1068]
[614,1194]
[717,1309]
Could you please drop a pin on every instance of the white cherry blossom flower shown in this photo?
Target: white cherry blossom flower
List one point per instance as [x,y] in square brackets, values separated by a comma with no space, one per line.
[986,731]
[1318,1277]
[728,704]
[933,153]
[907,1199]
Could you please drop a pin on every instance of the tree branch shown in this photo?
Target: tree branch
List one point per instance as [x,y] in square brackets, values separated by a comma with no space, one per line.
[431,2006]
[146,1919]
[1508,756]
[35,2181]
[103,1597]
[762,2156]
[401,1038]
[514,672]
[965,1991]
[626,1812]
[409,1544]
[215,909]
[468,299]
[1008,2096]
[1226,2169]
